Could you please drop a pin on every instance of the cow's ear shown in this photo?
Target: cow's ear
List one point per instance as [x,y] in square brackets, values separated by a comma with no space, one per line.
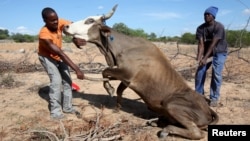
[105,29]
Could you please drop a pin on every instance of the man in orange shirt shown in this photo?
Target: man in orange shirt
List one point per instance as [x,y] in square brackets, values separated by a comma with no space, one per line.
[56,63]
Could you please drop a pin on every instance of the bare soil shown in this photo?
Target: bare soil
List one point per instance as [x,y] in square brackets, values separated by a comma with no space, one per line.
[24,112]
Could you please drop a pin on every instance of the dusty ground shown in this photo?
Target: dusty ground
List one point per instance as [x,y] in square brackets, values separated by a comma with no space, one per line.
[24,113]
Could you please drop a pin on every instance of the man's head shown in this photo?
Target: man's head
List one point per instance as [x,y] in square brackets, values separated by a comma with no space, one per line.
[212,11]
[50,18]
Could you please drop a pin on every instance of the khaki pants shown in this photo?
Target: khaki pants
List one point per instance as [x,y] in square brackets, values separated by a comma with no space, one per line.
[60,86]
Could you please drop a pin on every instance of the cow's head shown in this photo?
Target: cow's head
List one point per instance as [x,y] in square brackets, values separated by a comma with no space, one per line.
[94,30]
[89,28]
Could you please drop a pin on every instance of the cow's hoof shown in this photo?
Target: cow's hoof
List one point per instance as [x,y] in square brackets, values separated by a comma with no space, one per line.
[111,91]
[163,134]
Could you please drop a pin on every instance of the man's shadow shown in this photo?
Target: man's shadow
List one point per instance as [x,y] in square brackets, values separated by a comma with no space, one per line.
[132,106]
[44,94]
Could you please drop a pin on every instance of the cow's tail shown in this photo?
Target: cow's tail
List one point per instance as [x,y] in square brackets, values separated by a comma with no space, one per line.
[214,116]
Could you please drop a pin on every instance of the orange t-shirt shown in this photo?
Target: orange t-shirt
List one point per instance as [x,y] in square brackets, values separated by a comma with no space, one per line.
[55,37]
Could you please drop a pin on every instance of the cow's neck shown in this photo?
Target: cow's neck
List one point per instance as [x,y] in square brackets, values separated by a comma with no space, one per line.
[106,49]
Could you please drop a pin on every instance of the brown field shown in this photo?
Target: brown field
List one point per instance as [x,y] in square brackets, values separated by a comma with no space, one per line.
[24,86]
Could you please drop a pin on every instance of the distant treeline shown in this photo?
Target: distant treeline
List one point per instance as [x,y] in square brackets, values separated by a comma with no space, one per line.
[235,38]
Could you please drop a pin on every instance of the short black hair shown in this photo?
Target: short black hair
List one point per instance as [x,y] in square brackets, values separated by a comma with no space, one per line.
[46,11]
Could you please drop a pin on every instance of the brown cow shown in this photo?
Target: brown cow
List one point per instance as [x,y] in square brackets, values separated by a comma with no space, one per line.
[143,67]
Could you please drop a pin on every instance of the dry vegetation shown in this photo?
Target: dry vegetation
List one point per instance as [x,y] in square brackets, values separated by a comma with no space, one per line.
[24,100]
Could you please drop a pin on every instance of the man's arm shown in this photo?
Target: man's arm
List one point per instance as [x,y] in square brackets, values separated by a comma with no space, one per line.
[53,48]
[209,51]
[200,49]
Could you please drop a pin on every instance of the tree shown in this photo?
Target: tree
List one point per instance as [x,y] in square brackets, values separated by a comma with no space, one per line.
[20,38]
[235,38]
[4,34]
[138,33]
[121,28]
[188,38]
[152,36]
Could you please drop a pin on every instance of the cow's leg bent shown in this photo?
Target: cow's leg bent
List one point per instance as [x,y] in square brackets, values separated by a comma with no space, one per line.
[115,74]
[107,85]
[109,88]
[180,114]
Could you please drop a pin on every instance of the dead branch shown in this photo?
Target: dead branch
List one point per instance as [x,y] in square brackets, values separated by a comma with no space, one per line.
[109,129]
[241,36]
[63,128]
[47,133]
[108,138]
[178,52]
[92,67]
[98,116]
[99,133]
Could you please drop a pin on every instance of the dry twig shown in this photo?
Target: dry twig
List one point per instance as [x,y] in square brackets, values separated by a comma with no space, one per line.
[47,133]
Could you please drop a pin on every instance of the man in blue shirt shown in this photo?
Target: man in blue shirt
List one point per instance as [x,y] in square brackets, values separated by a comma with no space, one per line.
[211,43]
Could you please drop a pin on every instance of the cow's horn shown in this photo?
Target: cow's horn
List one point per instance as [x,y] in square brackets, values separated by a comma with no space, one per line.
[108,15]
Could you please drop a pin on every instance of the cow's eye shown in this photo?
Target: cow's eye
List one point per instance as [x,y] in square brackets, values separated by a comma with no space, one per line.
[89,21]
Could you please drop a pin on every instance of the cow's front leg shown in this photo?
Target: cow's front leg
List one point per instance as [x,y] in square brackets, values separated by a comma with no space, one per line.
[107,85]
[109,88]
[114,74]
[120,90]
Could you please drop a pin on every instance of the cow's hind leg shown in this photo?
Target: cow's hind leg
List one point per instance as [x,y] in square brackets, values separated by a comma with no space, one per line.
[187,129]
